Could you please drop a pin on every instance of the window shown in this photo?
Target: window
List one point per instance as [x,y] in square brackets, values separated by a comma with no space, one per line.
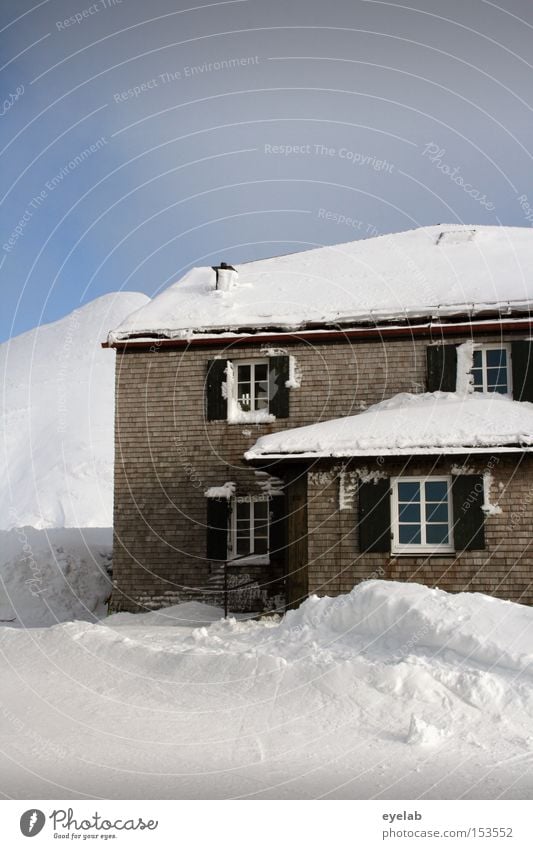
[490,369]
[255,391]
[252,386]
[408,519]
[249,526]
[421,515]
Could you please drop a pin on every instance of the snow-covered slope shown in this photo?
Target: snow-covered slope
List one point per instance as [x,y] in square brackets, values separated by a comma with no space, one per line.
[56,414]
[428,423]
[425,272]
[394,691]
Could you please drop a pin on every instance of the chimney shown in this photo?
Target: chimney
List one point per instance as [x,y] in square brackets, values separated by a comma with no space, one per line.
[226,277]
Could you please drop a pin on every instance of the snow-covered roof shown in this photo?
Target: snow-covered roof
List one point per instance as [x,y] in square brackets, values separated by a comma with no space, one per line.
[430,423]
[428,272]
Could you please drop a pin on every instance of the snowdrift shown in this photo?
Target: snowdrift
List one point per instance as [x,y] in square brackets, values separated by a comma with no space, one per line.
[56,575]
[56,466]
[393,691]
[395,620]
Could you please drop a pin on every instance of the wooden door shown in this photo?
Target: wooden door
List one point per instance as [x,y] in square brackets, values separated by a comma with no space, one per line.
[297,567]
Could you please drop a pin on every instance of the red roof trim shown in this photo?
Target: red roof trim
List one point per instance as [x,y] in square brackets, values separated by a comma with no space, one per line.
[432,331]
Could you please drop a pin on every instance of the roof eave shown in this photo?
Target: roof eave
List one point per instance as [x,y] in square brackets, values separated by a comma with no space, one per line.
[388,452]
[427,327]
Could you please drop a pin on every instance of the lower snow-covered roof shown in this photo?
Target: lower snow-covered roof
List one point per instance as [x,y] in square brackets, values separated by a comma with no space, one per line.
[429,272]
[431,423]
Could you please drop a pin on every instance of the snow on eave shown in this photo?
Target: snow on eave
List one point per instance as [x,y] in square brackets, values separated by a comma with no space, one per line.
[380,325]
[252,456]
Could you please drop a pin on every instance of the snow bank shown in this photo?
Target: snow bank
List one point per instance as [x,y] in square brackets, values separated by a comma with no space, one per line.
[55,575]
[56,415]
[394,691]
[176,615]
[415,273]
[407,423]
[396,620]
[56,466]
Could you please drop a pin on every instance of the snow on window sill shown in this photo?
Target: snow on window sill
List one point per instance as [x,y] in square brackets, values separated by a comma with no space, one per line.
[227,490]
[250,417]
[251,560]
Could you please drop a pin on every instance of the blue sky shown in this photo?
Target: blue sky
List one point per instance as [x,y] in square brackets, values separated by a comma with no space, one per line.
[137,140]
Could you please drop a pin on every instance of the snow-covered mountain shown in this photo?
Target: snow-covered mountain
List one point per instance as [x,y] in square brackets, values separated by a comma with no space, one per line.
[56,413]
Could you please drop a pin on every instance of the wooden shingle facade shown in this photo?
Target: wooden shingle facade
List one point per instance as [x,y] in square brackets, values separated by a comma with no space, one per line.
[187,501]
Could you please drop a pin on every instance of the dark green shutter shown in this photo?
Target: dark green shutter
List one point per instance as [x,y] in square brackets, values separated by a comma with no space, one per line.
[218,512]
[374,516]
[278,529]
[216,404]
[441,368]
[279,394]
[522,369]
[468,517]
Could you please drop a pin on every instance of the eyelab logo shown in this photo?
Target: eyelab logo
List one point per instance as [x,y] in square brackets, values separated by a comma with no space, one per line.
[32,822]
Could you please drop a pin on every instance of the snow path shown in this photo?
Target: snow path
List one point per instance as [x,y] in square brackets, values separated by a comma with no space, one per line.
[394,691]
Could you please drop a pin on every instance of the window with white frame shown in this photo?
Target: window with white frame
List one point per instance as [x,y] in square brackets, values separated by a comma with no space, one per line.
[251,385]
[249,526]
[421,515]
[491,368]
